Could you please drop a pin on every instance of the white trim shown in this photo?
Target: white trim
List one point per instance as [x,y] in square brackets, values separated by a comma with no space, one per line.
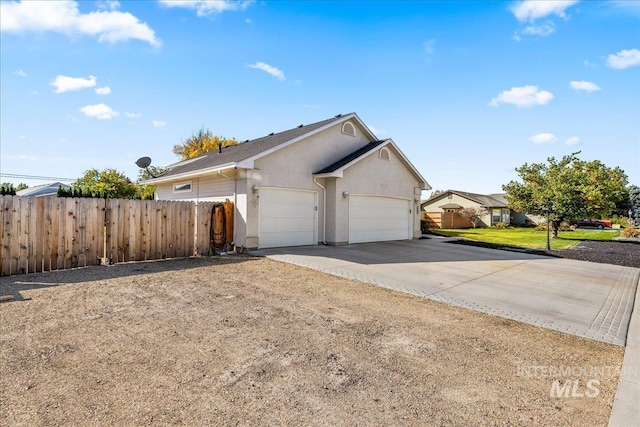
[192,174]
[344,125]
[184,184]
[384,150]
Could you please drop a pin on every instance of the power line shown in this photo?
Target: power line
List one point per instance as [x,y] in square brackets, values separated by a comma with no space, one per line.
[48,178]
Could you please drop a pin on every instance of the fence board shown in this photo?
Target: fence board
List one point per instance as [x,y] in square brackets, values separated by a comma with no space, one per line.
[50,233]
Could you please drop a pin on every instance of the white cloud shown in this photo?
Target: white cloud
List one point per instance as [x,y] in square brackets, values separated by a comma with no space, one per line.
[429,46]
[132,115]
[248,21]
[33,92]
[539,30]
[544,138]
[108,4]
[624,59]
[20,73]
[106,90]
[585,86]
[99,111]
[572,141]
[207,7]
[269,70]
[530,10]
[589,64]
[64,17]
[525,96]
[68,84]
[158,123]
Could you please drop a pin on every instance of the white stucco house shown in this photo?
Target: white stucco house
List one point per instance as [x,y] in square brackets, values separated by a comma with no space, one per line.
[329,182]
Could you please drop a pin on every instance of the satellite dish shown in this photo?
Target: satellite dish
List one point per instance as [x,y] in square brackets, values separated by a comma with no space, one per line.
[143,162]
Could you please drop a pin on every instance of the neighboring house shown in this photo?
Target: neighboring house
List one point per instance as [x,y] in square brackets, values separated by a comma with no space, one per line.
[42,190]
[442,210]
[328,182]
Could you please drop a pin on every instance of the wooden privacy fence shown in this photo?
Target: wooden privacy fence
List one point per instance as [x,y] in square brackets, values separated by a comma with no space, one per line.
[51,233]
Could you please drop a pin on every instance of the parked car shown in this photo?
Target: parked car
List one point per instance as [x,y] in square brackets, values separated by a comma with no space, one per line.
[597,223]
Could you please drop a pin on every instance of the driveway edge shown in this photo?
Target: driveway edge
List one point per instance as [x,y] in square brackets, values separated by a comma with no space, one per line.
[625,411]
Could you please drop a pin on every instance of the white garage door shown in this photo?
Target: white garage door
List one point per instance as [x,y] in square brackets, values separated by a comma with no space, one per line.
[287,218]
[376,219]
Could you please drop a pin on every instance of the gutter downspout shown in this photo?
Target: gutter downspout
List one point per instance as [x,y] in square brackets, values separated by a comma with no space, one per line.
[324,211]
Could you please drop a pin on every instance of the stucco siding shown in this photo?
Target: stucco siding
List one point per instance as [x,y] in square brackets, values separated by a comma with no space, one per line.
[375,176]
[205,189]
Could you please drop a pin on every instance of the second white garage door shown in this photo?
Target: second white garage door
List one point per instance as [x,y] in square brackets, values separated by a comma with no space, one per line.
[287,218]
[376,219]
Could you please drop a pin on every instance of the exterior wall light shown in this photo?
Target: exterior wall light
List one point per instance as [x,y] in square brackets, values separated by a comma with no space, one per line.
[345,194]
[255,189]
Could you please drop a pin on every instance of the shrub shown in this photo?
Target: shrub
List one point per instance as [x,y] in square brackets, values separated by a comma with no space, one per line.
[424,225]
[630,232]
[501,225]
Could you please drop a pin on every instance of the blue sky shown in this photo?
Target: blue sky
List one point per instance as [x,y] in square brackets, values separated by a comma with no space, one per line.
[468,90]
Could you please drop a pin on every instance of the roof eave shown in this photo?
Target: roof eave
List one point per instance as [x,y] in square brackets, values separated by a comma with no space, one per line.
[187,175]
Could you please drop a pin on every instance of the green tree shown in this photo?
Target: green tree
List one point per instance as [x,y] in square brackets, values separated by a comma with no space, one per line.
[201,142]
[634,202]
[108,183]
[567,189]
[7,189]
[145,191]
[21,186]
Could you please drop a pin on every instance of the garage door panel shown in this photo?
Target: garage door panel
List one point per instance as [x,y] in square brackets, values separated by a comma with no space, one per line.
[373,218]
[287,218]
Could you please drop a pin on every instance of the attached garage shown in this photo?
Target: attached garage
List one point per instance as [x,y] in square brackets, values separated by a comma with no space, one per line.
[287,217]
[378,218]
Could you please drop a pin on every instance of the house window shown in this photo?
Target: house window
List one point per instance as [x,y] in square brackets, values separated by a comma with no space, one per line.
[506,216]
[449,210]
[182,187]
[348,129]
[384,154]
[496,216]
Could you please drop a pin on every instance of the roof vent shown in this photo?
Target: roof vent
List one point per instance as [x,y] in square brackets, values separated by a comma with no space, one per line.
[219,147]
[339,115]
[300,126]
[271,134]
[246,140]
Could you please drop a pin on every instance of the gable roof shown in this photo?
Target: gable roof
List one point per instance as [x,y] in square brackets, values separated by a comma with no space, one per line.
[244,153]
[336,169]
[42,190]
[496,200]
[349,158]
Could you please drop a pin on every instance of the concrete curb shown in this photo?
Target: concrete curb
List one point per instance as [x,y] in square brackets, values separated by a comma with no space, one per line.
[626,405]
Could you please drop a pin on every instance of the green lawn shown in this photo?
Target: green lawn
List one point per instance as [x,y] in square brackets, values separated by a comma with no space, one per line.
[528,237]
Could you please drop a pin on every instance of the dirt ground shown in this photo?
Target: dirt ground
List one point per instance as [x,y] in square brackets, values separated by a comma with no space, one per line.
[249,341]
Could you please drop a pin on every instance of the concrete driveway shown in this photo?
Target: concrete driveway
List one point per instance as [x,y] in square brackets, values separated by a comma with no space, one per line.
[580,298]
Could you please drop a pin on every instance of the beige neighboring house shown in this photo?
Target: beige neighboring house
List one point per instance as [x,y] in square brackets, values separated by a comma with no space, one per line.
[328,182]
[43,190]
[442,210]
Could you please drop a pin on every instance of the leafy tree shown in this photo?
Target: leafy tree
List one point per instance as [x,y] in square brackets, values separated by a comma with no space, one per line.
[634,202]
[108,183]
[201,142]
[147,192]
[7,189]
[473,214]
[567,189]
[21,186]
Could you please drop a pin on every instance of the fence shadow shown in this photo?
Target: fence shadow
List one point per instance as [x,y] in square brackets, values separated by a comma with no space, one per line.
[15,285]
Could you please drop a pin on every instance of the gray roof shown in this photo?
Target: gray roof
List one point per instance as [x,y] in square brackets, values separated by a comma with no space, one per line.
[246,149]
[350,157]
[496,200]
[42,190]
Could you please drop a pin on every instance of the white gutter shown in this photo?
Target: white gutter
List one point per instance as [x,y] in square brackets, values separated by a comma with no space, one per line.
[193,174]
[324,211]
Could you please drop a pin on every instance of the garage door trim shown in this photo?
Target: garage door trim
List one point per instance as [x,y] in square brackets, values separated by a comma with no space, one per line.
[260,213]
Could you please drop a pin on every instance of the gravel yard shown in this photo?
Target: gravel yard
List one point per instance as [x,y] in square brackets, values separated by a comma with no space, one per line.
[250,341]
